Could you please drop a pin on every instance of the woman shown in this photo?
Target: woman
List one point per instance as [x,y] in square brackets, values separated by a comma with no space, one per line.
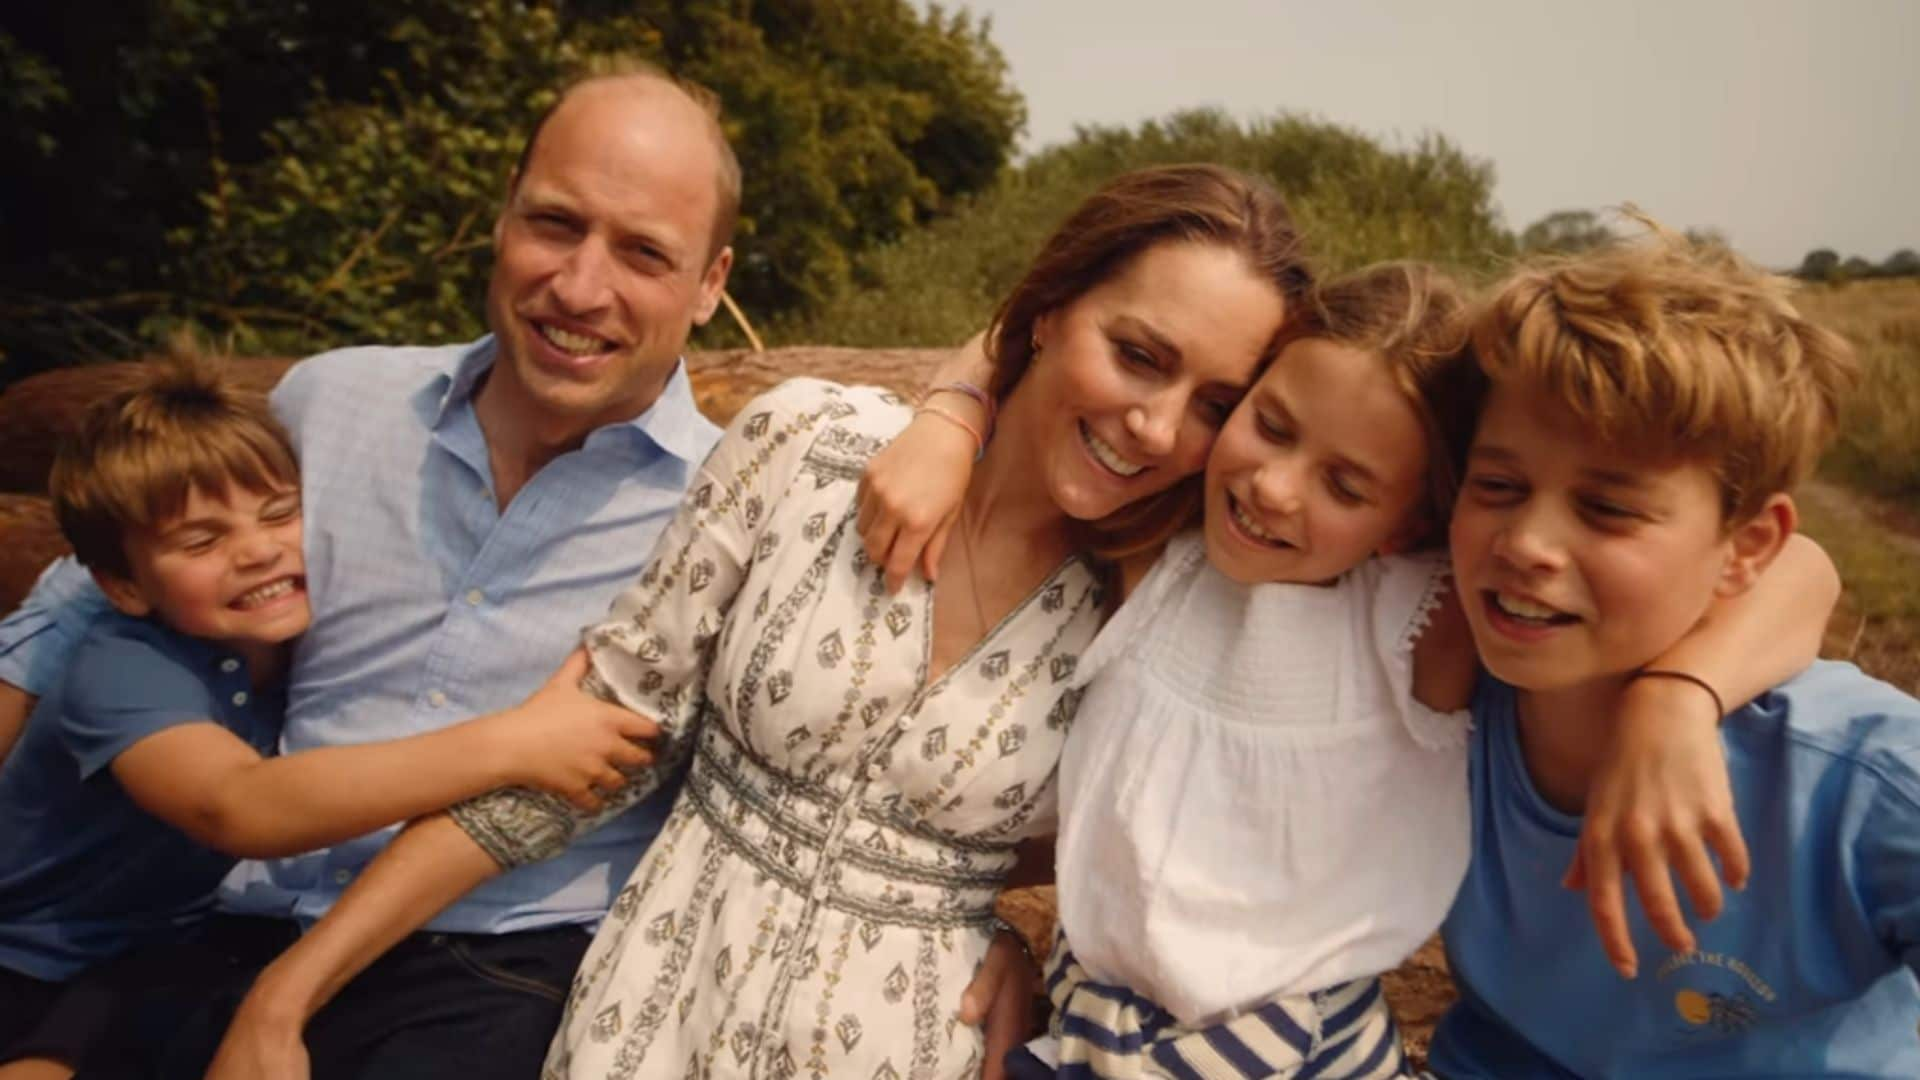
[864,765]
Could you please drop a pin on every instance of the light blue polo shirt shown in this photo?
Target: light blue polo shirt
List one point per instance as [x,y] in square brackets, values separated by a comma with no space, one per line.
[431,605]
[85,873]
[1808,972]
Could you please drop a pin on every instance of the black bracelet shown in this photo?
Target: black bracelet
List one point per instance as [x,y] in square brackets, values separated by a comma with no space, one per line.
[1719,707]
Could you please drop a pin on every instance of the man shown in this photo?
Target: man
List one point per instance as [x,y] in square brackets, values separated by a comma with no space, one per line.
[469,507]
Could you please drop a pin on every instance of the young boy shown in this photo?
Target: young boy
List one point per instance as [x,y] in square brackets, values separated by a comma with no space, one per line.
[140,779]
[1651,406]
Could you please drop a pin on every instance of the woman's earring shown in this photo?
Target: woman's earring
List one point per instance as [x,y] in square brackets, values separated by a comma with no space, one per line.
[1034,343]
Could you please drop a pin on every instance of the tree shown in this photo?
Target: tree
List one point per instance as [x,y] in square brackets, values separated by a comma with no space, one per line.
[1566,232]
[1856,268]
[1820,265]
[301,174]
[1356,199]
[1902,263]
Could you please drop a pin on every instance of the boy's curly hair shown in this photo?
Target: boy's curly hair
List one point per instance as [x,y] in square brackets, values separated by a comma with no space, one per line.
[1674,351]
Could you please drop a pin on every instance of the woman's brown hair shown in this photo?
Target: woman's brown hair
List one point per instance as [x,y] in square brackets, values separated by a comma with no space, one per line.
[1206,204]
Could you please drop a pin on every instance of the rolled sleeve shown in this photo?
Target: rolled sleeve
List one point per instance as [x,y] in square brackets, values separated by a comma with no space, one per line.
[38,640]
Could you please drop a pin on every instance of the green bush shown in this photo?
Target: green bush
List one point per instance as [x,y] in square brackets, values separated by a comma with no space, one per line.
[293,176]
[1357,200]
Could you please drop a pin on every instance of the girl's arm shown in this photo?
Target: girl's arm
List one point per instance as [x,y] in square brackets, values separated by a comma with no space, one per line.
[910,494]
[213,786]
[1662,798]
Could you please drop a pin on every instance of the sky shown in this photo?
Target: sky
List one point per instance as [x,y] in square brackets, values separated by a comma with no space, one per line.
[1787,124]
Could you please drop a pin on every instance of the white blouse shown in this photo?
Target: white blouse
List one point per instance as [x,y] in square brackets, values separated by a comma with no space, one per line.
[1252,804]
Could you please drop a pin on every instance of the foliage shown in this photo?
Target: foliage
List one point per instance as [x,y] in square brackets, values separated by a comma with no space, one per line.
[301,174]
[1356,200]
[1825,265]
[1878,448]
[1566,232]
[1820,264]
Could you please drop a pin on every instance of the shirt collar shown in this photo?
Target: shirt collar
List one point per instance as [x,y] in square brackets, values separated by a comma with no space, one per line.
[673,422]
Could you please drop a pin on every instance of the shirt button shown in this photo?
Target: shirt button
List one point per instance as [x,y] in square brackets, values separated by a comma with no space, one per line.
[436,699]
[341,877]
[876,770]
[240,698]
[903,723]
[229,665]
[475,596]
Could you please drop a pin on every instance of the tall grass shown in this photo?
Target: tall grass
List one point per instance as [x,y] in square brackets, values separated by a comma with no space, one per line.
[1878,448]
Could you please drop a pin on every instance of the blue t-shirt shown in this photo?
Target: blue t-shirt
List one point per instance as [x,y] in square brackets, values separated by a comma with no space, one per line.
[1807,972]
[84,872]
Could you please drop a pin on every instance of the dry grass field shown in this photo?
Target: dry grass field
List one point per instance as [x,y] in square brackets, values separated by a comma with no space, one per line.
[1865,508]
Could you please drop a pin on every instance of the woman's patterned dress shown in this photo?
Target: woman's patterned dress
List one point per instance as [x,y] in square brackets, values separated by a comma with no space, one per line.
[823,890]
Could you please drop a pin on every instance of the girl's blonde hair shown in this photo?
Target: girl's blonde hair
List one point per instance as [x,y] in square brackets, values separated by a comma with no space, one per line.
[1414,318]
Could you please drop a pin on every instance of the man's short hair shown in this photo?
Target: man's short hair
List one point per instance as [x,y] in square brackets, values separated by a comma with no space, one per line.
[1673,350]
[726,216]
[138,454]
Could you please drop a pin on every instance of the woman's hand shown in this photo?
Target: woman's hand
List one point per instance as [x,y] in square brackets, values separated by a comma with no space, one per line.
[1001,997]
[566,741]
[1659,802]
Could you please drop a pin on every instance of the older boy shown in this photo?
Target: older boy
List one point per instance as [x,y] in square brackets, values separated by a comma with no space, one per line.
[1651,407]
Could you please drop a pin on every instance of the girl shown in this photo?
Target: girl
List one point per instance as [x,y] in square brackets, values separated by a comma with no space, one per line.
[1263,798]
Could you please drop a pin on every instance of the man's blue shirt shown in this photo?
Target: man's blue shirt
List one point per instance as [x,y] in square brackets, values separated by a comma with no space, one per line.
[432,605]
[85,873]
[1807,972]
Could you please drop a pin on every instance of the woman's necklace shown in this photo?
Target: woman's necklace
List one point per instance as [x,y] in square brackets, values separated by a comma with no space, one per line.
[973,581]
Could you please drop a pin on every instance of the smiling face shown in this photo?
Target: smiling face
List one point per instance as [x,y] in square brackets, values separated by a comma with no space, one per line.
[1134,378]
[1323,464]
[228,568]
[1573,563]
[602,263]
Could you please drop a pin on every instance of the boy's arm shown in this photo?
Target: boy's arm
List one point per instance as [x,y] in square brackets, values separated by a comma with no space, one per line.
[910,493]
[428,866]
[1445,664]
[209,783]
[15,706]
[1662,797]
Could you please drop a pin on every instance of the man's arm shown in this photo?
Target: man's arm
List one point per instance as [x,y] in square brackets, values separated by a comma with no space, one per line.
[209,783]
[1662,798]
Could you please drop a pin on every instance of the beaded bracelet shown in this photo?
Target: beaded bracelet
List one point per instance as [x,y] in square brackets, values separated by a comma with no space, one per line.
[979,441]
[1719,707]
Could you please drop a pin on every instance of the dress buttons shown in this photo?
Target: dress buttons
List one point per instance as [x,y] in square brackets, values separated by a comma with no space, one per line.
[436,699]
[341,877]
[876,770]
[819,892]
[475,597]
[229,665]
[240,697]
[903,723]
